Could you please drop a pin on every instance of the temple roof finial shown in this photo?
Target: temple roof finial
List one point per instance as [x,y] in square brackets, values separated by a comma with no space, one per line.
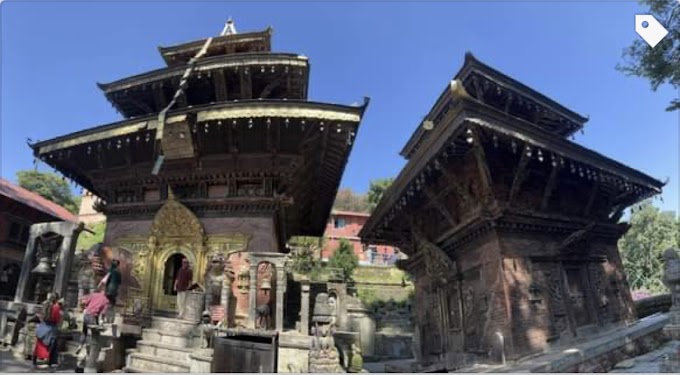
[229,28]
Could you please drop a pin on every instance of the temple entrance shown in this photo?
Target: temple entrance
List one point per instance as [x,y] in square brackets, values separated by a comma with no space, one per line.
[167,265]
[172,266]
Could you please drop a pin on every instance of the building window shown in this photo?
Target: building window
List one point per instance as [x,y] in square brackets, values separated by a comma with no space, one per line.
[339,222]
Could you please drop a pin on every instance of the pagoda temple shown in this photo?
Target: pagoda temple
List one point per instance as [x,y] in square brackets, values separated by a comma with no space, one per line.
[511,229]
[220,158]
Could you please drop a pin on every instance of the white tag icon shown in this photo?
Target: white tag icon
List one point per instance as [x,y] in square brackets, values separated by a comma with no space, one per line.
[649,29]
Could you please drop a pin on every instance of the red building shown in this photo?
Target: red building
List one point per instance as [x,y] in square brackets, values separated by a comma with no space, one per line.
[346,225]
[19,209]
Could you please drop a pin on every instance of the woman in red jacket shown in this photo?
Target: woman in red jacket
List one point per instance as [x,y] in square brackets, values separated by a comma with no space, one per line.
[46,334]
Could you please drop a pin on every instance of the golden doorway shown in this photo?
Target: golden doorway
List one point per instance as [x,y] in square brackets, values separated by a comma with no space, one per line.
[167,264]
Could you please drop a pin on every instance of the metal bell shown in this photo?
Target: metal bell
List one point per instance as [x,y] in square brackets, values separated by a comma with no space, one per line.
[44,267]
[266,284]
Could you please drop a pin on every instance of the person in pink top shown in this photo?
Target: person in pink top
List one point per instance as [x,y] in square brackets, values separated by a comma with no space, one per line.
[95,304]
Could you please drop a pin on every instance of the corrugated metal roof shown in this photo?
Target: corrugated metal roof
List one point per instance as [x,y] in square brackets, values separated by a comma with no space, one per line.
[34,200]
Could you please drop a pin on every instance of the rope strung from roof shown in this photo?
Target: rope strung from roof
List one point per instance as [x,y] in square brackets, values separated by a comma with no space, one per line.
[183,84]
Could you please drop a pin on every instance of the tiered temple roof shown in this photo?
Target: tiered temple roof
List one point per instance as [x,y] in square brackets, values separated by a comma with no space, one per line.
[227,125]
[513,132]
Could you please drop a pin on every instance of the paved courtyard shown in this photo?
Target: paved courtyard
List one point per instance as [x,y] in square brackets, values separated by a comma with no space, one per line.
[649,362]
[8,363]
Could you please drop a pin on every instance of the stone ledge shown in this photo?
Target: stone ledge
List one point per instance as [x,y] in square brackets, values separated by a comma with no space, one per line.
[565,360]
[168,361]
[295,341]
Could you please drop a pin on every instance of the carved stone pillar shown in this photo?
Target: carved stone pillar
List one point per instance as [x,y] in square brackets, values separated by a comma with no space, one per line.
[27,264]
[66,255]
[304,307]
[252,295]
[280,290]
[225,296]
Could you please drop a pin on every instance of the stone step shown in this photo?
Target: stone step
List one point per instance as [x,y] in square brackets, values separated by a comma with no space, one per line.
[132,369]
[168,337]
[163,350]
[170,324]
[150,363]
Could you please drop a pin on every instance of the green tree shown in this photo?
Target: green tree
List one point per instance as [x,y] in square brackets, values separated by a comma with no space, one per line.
[651,232]
[86,240]
[660,64]
[344,259]
[376,190]
[305,254]
[347,200]
[51,187]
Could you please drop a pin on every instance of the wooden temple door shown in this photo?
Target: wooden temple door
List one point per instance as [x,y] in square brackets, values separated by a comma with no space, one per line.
[577,295]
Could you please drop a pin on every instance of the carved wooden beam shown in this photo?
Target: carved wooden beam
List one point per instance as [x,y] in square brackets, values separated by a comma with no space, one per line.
[289,83]
[159,96]
[591,198]
[182,100]
[101,157]
[484,173]
[271,86]
[617,214]
[246,81]
[574,237]
[508,102]
[478,89]
[434,199]
[220,86]
[462,193]
[322,155]
[550,186]
[520,175]
[141,105]
[231,146]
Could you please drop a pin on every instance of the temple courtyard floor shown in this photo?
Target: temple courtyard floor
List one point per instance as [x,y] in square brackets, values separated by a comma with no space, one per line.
[9,363]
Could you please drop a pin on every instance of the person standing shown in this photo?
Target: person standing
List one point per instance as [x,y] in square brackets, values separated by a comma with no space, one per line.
[112,282]
[96,304]
[47,332]
[182,282]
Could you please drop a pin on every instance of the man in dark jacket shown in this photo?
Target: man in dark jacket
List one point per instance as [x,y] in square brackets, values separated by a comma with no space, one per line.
[112,283]
[182,283]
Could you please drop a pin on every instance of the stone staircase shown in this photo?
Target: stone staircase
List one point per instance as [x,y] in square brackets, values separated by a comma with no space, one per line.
[165,347]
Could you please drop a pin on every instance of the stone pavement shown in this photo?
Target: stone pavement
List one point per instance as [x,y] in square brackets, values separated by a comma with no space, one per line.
[649,362]
[8,363]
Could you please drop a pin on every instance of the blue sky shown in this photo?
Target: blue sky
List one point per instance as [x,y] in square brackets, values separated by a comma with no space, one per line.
[400,54]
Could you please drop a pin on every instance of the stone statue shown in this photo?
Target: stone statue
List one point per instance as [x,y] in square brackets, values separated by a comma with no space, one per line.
[357,362]
[207,330]
[214,280]
[671,279]
[323,356]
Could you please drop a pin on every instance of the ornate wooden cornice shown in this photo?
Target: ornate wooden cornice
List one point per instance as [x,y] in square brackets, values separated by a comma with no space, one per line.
[208,65]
